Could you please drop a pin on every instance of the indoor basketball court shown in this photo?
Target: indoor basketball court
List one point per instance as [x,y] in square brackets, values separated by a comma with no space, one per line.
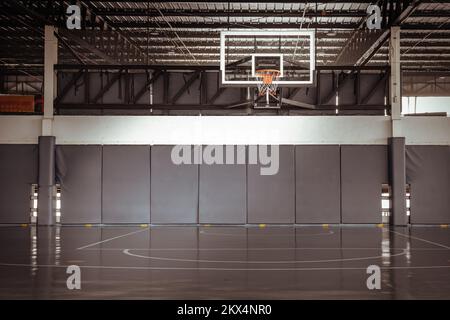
[232,262]
[225,150]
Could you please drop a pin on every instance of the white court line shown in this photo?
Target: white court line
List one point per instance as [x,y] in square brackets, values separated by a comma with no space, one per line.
[267,234]
[219,269]
[420,239]
[110,239]
[260,249]
[127,252]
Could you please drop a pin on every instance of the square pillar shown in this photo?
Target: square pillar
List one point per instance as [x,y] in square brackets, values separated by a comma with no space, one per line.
[46,212]
[50,87]
[397,177]
[395,94]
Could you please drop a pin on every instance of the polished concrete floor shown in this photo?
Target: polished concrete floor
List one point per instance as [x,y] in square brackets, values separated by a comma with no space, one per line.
[169,262]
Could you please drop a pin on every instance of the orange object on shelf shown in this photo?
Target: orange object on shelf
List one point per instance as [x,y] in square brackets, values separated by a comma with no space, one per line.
[15,103]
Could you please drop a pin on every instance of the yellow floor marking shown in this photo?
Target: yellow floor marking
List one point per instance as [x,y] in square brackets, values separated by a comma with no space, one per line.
[88,225]
[325,225]
[262,225]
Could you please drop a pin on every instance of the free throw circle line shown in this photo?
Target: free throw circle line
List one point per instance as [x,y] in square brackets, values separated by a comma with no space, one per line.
[127,252]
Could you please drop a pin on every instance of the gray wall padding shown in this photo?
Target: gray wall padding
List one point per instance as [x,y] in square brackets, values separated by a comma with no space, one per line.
[46,155]
[271,198]
[46,175]
[364,168]
[223,193]
[18,170]
[126,184]
[174,189]
[397,175]
[428,172]
[317,184]
[79,172]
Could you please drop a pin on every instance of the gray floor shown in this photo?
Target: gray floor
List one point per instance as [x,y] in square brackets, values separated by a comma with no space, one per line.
[312,262]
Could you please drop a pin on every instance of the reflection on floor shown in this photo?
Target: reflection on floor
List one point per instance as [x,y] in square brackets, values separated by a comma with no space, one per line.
[168,262]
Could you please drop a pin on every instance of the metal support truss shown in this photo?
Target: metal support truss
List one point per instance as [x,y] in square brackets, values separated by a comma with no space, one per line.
[178,89]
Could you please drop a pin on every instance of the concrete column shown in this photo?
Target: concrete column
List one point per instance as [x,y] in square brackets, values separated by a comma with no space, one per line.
[50,86]
[395,96]
[397,176]
[46,212]
[397,163]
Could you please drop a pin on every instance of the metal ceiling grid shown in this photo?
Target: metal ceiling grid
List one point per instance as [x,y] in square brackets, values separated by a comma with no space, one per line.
[195,26]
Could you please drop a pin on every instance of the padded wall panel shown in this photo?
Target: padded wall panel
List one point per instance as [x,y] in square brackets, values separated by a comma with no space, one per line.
[126,184]
[223,193]
[79,172]
[364,168]
[18,170]
[174,189]
[397,176]
[317,184]
[428,172]
[271,198]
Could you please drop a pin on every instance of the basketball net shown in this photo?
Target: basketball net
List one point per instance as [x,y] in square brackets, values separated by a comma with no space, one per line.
[268,76]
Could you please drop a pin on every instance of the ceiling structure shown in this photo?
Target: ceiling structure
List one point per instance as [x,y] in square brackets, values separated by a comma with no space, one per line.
[187,32]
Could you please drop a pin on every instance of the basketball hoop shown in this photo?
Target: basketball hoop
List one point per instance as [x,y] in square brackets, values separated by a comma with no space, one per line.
[267,76]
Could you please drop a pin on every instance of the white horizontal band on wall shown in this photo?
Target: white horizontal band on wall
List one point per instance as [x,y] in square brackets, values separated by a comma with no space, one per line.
[221,130]
[20,129]
[224,130]
[426,130]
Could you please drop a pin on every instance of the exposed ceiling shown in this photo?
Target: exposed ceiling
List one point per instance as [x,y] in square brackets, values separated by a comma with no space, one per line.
[187,32]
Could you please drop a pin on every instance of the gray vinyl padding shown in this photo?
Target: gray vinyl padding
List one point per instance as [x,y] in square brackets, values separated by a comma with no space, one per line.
[428,172]
[18,170]
[223,193]
[271,198]
[363,170]
[398,180]
[79,172]
[126,184]
[317,184]
[120,182]
[46,161]
[174,188]
[46,175]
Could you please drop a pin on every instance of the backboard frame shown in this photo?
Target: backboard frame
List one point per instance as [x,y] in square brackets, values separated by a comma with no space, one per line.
[285,83]
[254,55]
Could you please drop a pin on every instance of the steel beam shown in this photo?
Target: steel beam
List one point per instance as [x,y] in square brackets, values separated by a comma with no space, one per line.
[186,86]
[68,86]
[108,86]
[120,106]
[218,93]
[373,90]
[141,92]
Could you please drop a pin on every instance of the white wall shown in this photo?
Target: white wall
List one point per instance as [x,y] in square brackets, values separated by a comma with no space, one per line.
[225,130]
[221,130]
[20,129]
[426,130]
